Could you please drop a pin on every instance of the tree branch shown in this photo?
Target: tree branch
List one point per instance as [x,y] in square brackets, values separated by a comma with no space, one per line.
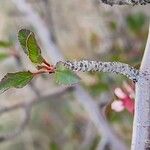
[141,124]
[113,67]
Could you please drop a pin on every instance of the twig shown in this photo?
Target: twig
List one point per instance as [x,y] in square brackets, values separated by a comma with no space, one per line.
[125,2]
[89,136]
[44,97]
[27,106]
[113,67]
[141,125]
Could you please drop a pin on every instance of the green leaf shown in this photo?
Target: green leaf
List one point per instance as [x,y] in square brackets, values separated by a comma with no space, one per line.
[65,76]
[15,80]
[3,56]
[29,44]
[22,37]
[34,50]
[5,44]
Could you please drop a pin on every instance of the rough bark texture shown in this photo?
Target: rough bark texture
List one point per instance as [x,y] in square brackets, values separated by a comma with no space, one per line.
[141,125]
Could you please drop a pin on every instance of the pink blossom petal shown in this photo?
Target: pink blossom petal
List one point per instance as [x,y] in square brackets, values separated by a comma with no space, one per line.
[129,89]
[117,106]
[128,104]
[119,93]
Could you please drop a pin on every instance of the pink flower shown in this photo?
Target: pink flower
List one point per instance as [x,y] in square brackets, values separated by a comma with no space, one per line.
[117,106]
[125,99]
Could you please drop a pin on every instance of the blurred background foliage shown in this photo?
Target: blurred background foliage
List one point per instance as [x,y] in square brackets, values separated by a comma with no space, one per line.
[81,30]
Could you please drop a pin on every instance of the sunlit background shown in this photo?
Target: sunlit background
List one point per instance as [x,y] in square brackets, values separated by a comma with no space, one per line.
[77,29]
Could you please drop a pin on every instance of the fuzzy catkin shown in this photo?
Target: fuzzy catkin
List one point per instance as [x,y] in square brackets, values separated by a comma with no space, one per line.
[113,67]
[126,2]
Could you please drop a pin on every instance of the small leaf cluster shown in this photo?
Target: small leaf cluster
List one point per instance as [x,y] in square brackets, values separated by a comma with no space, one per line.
[31,48]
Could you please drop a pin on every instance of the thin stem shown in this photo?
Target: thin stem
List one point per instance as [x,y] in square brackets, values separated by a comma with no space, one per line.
[46,63]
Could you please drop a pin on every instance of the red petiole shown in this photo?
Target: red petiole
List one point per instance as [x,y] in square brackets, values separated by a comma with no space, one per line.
[46,63]
[45,68]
